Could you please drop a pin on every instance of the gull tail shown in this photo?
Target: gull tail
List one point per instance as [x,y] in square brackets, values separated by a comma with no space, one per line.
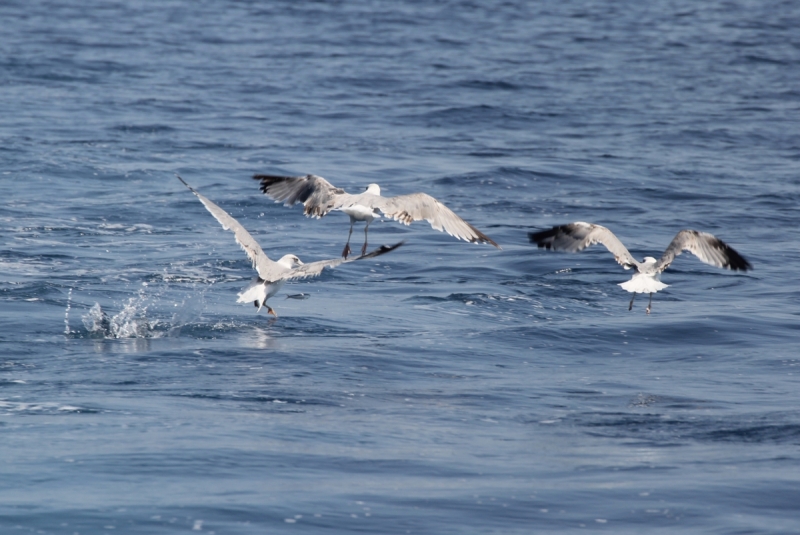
[643,284]
[256,292]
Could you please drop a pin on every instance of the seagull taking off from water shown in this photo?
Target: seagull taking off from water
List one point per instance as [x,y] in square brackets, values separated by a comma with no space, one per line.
[577,236]
[272,275]
[320,197]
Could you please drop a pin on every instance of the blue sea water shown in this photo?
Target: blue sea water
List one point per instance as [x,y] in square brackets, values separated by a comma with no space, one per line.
[445,387]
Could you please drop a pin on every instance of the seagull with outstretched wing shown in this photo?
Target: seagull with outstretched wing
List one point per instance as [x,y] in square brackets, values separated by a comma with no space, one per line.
[575,237]
[272,275]
[319,197]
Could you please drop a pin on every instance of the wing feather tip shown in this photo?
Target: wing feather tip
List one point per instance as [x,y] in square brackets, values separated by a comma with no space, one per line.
[483,238]
[383,249]
[735,261]
[544,238]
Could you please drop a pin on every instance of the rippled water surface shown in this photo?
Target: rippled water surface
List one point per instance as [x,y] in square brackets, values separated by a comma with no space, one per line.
[445,387]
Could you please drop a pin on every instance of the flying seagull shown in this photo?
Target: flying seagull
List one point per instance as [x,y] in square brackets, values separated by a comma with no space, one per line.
[320,197]
[272,275]
[577,236]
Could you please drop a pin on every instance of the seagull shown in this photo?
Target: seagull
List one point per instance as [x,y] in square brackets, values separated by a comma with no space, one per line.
[320,197]
[272,275]
[577,236]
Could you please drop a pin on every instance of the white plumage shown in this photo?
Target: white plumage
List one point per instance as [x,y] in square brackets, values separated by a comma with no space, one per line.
[645,282]
[574,237]
[320,197]
[272,275]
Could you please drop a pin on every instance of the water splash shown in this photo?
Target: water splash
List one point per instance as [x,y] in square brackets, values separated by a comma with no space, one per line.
[146,315]
[66,312]
[130,322]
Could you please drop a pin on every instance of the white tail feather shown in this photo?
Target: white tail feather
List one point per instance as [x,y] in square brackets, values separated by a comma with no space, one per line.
[641,283]
[255,291]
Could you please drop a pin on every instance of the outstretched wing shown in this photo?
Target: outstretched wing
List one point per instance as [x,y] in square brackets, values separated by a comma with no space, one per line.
[706,247]
[266,268]
[317,194]
[313,269]
[577,236]
[419,206]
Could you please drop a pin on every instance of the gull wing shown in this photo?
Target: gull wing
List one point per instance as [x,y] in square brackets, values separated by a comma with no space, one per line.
[312,269]
[317,194]
[706,247]
[266,268]
[577,236]
[419,206]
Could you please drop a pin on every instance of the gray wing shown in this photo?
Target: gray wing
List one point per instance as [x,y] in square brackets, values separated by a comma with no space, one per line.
[419,206]
[577,236]
[266,268]
[312,269]
[707,248]
[317,194]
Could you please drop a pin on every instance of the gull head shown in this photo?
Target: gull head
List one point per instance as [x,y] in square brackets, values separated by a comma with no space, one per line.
[374,189]
[649,262]
[290,261]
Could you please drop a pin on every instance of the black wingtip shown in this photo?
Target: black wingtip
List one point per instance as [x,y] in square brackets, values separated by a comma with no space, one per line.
[186,184]
[736,262]
[747,266]
[544,238]
[383,249]
[267,181]
[301,188]
[486,239]
[479,237]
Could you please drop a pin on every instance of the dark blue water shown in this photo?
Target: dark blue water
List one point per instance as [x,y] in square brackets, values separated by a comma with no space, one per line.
[446,387]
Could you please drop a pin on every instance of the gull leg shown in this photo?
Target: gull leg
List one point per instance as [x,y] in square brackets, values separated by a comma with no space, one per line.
[364,248]
[650,303]
[270,311]
[632,298]
[346,250]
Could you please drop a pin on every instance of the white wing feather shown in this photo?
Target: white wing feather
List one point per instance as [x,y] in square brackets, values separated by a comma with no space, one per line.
[266,268]
[320,197]
[312,269]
